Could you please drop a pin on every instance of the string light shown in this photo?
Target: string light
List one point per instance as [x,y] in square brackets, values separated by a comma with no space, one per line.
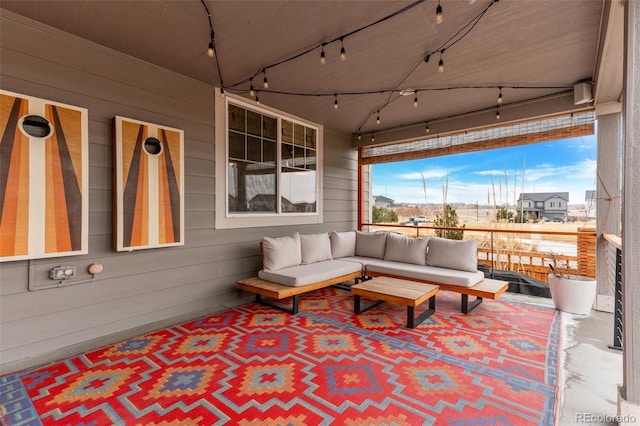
[252,91]
[265,82]
[378,118]
[373,137]
[257,99]
[335,102]
[441,63]
[439,17]
[322,58]
[210,50]
[343,53]
[500,97]
[359,136]
[426,127]
[415,100]
[472,1]
[222,92]
[498,113]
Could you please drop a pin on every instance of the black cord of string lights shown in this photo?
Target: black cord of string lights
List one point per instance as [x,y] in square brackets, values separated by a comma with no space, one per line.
[212,44]
[457,37]
[323,44]
[452,41]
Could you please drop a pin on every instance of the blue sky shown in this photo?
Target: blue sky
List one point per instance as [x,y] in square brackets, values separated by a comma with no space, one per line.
[567,165]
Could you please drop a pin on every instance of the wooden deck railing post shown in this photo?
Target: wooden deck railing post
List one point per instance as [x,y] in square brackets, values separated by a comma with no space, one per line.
[587,252]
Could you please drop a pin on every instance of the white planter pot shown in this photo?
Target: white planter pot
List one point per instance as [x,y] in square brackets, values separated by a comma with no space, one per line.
[574,295]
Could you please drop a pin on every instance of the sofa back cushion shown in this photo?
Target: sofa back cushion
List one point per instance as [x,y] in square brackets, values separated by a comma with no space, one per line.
[281,252]
[343,244]
[453,254]
[315,248]
[371,244]
[405,249]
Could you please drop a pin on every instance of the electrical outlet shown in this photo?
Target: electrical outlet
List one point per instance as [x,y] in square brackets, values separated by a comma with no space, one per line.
[62,272]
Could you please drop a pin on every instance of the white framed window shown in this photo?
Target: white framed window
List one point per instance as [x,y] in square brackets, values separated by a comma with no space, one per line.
[268,166]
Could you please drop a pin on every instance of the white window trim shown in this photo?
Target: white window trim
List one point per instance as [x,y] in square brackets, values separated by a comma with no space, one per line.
[254,220]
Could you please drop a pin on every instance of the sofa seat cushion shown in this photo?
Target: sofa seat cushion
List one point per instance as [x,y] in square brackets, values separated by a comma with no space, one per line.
[364,261]
[300,275]
[427,273]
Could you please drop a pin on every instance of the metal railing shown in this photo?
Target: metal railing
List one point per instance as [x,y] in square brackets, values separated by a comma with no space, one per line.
[613,260]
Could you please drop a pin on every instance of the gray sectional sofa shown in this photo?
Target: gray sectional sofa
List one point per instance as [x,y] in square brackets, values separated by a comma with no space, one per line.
[300,260]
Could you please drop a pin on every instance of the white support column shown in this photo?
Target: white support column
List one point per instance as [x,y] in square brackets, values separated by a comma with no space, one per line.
[629,392]
[608,195]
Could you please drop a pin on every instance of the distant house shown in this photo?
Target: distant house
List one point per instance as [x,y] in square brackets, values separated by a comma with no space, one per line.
[590,204]
[381,201]
[550,205]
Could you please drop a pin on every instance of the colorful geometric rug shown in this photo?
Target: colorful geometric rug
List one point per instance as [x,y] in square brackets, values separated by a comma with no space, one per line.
[255,365]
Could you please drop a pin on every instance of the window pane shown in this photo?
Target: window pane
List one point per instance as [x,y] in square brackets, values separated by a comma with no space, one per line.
[269,127]
[252,187]
[269,152]
[236,118]
[311,138]
[287,154]
[298,191]
[298,134]
[254,123]
[287,131]
[236,146]
[254,149]
[311,159]
[298,154]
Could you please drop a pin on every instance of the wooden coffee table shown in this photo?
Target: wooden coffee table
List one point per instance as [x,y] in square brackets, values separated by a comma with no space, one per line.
[386,289]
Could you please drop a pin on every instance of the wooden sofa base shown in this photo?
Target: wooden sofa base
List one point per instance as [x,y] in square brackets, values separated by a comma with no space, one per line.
[487,288]
[279,291]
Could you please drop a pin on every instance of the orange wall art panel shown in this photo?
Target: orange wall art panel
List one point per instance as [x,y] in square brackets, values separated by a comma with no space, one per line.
[149,175]
[44,177]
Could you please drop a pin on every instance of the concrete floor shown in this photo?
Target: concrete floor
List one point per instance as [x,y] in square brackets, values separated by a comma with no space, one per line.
[591,371]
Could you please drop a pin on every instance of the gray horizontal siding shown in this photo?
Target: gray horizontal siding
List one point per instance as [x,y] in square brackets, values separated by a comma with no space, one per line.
[144,287]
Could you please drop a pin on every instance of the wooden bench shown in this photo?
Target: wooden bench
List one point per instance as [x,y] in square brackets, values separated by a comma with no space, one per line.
[279,291]
[485,289]
[408,293]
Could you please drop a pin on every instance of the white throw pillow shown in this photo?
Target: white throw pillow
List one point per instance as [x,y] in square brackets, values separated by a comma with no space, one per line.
[371,244]
[405,249]
[315,248]
[281,252]
[343,244]
[453,254]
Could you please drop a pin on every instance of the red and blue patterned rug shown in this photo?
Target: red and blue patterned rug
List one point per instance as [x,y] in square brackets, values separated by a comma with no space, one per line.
[255,365]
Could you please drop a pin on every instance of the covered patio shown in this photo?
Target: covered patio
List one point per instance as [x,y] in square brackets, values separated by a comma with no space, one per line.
[329,83]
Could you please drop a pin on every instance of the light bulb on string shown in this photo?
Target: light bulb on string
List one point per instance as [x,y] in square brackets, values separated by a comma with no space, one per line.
[497,113]
[441,63]
[322,58]
[373,137]
[252,91]
[335,102]
[378,118]
[415,100]
[359,136]
[472,1]
[500,97]
[343,53]
[257,99]
[439,17]
[210,50]
[265,82]
[426,127]
[222,92]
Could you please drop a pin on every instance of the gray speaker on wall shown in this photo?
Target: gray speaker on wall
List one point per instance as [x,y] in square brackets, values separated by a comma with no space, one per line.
[582,93]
